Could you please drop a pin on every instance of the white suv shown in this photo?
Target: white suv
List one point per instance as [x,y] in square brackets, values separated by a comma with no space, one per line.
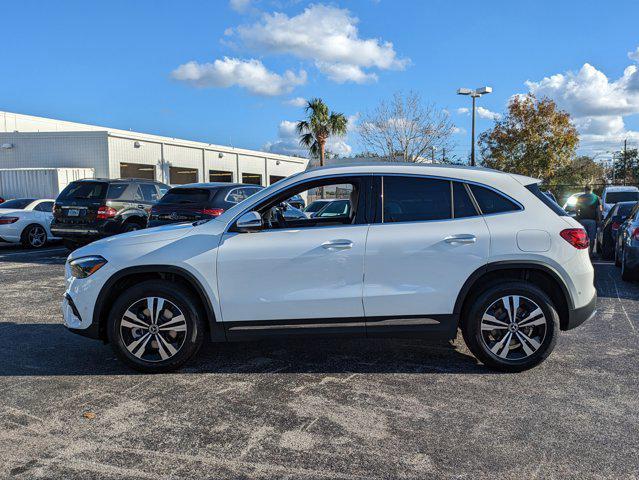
[421,251]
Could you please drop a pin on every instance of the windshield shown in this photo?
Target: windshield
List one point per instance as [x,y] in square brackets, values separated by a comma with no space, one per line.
[616,197]
[624,209]
[315,207]
[18,203]
[84,191]
[186,196]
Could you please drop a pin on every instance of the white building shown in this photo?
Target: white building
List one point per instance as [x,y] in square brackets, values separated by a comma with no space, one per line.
[35,142]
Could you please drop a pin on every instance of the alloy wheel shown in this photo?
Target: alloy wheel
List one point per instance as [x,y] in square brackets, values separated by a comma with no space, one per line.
[153,329]
[37,236]
[513,327]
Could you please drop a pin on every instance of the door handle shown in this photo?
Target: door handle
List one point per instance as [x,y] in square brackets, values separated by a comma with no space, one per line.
[340,244]
[141,206]
[461,239]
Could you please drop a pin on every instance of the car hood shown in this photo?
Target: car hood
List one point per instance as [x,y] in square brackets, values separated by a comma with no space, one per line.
[149,236]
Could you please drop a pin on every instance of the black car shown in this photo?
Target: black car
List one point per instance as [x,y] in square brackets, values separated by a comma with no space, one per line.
[199,201]
[89,209]
[609,227]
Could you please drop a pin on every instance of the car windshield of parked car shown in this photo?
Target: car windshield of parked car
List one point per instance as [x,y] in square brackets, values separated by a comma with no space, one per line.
[315,206]
[84,191]
[332,209]
[18,203]
[186,196]
[623,209]
[616,197]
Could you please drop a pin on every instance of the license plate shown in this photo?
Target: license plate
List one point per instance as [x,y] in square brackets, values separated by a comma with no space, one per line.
[72,212]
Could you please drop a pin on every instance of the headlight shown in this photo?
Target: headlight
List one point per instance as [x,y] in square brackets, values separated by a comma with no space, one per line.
[85,266]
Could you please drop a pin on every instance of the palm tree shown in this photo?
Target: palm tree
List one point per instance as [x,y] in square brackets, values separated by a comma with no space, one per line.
[319,126]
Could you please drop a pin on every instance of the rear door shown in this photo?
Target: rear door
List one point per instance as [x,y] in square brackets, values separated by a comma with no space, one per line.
[427,240]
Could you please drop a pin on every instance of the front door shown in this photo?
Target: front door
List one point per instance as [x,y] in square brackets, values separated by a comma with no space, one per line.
[420,252]
[301,274]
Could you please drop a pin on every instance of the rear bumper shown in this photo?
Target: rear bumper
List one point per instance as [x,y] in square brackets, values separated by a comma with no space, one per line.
[90,230]
[577,316]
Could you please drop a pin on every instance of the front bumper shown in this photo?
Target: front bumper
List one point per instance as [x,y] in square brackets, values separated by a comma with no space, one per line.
[577,316]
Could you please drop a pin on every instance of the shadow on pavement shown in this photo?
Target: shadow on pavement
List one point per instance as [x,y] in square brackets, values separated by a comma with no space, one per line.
[51,350]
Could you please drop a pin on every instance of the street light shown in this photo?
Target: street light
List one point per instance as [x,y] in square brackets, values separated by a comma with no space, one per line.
[474,94]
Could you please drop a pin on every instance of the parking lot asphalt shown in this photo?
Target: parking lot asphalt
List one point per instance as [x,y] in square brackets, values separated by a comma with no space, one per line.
[335,408]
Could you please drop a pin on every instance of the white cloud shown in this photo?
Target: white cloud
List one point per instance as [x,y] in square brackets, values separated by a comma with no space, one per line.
[296,102]
[249,74]
[485,113]
[481,112]
[458,131]
[287,142]
[240,6]
[597,104]
[326,35]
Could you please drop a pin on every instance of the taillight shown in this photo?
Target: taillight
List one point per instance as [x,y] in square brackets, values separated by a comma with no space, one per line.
[214,212]
[577,237]
[615,225]
[8,220]
[105,212]
[635,233]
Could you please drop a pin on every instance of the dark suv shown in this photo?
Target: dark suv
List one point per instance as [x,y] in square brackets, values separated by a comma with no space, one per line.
[94,208]
[199,201]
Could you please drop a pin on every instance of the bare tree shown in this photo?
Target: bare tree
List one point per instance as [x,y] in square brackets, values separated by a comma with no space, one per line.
[405,129]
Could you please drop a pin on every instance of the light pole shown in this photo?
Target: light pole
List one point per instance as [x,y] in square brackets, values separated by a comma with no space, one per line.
[474,94]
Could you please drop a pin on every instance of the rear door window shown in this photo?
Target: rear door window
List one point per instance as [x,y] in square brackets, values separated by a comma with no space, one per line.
[616,197]
[415,199]
[149,192]
[44,207]
[492,202]
[462,204]
[116,190]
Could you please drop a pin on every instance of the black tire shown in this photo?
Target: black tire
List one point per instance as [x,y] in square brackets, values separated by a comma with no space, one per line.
[627,274]
[617,259]
[187,343]
[131,226]
[34,236]
[474,337]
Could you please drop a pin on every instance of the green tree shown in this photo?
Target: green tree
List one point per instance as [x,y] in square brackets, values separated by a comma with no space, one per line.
[583,170]
[534,138]
[626,167]
[320,124]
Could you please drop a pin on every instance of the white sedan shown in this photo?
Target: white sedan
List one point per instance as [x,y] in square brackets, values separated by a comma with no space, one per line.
[26,221]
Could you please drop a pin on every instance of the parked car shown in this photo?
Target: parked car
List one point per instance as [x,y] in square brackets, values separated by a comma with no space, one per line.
[26,221]
[444,247]
[627,246]
[297,202]
[89,209]
[550,195]
[608,228]
[199,201]
[315,206]
[615,194]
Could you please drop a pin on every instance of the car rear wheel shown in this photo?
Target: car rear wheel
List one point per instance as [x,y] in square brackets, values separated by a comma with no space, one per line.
[155,326]
[511,326]
[617,258]
[131,227]
[34,236]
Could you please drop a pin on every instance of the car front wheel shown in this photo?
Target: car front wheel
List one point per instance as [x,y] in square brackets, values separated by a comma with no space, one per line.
[155,326]
[511,326]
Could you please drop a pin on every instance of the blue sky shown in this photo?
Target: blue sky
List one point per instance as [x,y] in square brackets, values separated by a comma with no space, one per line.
[125,64]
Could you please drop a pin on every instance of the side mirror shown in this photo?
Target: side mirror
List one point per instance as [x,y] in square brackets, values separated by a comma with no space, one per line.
[249,221]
